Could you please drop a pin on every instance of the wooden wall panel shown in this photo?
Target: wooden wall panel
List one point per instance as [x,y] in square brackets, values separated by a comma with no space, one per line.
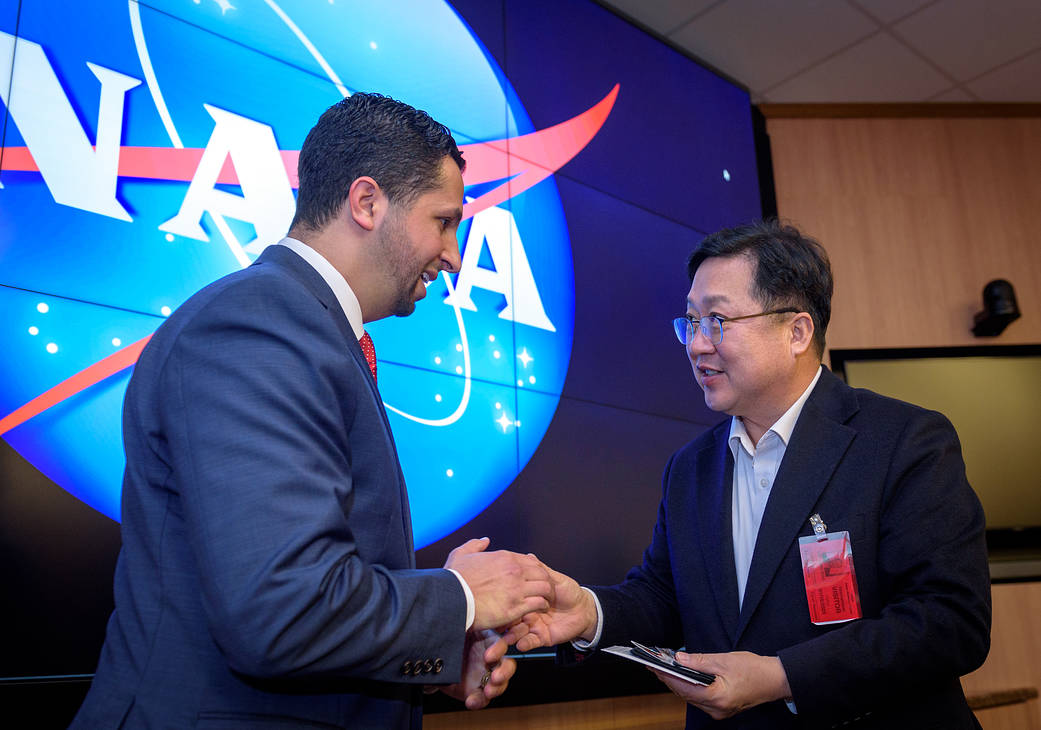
[917,215]
[1015,650]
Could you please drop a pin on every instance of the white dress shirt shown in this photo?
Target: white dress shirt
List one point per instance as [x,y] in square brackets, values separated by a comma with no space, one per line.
[352,310]
[755,466]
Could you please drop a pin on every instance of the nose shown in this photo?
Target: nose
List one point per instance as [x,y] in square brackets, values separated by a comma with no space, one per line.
[450,260]
[700,344]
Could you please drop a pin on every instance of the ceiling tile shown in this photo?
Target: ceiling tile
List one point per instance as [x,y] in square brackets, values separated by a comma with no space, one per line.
[970,37]
[879,69]
[889,10]
[762,43]
[662,16]
[1017,81]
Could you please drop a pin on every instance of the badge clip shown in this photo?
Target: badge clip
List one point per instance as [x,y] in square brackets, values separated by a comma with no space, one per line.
[820,530]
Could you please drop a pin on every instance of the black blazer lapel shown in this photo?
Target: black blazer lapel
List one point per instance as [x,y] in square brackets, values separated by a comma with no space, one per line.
[817,445]
[715,469]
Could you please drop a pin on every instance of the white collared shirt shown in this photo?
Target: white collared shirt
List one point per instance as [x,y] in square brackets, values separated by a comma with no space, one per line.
[755,466]
[352,310]
[341,289]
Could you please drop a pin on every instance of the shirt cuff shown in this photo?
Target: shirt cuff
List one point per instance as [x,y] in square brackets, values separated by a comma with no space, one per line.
[471,606]
[582,644]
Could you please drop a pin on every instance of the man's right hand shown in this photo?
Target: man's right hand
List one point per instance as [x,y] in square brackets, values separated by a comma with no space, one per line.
[571,615]
[505,585]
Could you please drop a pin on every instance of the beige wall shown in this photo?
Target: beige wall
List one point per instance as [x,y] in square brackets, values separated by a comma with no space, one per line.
[917,215]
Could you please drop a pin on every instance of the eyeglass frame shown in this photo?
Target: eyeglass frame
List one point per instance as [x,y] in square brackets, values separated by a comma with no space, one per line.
[692,322]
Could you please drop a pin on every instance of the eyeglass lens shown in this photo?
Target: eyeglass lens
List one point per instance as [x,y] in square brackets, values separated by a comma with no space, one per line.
[710,326]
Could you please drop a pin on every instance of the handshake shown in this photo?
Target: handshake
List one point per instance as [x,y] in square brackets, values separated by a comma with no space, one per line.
[521,601]
[518,600]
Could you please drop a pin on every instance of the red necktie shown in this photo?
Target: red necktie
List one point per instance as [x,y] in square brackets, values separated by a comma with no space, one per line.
[370,352]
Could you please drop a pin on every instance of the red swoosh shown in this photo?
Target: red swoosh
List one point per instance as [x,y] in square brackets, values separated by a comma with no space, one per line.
[528,159]
[119,360]
[521,161]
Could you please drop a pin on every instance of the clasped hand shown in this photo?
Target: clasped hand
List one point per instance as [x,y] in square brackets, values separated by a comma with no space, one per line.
[505,586]
[743,679]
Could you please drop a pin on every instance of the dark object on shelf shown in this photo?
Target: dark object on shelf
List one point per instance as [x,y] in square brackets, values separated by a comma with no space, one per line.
[999,308]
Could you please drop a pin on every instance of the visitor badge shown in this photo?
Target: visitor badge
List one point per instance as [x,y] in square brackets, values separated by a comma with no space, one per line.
[827,569]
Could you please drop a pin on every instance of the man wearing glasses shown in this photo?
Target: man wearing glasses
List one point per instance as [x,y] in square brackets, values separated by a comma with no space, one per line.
[821,550]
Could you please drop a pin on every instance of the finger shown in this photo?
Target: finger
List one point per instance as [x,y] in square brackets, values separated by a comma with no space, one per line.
[692,693]
[535,573]
[515,633]
[536,587]
[476,545]
[495,652]
[518,606]
[539,634]
[476,700]
[501,674]
[499,680]
[703,662]
[532,604]
[529,642]
[555,576]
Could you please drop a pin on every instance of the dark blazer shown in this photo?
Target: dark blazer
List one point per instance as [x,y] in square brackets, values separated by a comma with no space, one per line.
[892,475]
[267,576]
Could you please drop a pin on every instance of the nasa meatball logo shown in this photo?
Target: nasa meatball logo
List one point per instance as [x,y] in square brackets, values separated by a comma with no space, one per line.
[151,150]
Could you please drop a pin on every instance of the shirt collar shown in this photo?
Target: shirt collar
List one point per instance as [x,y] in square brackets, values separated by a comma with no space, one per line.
[341,289]
[783,427]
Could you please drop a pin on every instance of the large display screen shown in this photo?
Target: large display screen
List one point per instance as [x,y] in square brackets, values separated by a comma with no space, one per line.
[990,394]
[150,147]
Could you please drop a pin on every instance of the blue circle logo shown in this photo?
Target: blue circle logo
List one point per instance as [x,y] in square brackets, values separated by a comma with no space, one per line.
[135,171]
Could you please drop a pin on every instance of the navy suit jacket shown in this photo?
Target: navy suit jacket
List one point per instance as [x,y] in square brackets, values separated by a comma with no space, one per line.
[892,475]
[267,576]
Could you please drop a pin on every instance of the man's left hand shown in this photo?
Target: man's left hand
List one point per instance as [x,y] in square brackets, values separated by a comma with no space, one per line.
[743,680]
[486,671]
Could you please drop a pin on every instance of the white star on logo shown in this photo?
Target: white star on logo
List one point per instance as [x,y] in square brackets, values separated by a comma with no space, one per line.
[504,421]
[525,357]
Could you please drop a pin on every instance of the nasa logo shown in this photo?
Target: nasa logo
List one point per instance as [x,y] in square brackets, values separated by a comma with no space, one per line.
[190,175]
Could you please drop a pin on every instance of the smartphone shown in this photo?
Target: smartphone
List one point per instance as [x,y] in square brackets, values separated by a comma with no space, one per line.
[667,658]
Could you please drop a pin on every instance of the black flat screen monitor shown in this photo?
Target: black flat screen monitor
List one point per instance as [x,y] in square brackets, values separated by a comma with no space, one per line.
[992,395]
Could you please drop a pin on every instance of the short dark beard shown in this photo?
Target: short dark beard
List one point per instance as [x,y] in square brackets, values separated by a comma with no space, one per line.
[397,262]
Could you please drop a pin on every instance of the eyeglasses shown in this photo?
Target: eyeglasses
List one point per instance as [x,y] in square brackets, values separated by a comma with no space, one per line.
[712,325]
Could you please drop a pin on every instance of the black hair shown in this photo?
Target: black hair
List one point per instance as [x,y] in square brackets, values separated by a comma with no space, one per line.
[398,146]
[791,269]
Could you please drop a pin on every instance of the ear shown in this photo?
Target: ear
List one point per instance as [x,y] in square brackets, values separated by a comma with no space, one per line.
[801,328]
[365,202]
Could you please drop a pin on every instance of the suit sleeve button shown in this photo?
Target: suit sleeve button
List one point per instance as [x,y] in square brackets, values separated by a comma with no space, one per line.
[417,667]
[428,666]
[438,665]
[406,668]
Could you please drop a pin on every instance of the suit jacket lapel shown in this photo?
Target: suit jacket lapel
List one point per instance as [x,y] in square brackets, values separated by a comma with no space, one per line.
[305,274]
[817,445]
[714,503]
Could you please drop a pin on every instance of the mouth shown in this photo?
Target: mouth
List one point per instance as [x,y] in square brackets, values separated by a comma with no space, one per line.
[707,372]
[427,278]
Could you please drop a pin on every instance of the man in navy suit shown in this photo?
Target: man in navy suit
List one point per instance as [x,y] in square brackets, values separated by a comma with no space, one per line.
[267,576]
[723,575]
